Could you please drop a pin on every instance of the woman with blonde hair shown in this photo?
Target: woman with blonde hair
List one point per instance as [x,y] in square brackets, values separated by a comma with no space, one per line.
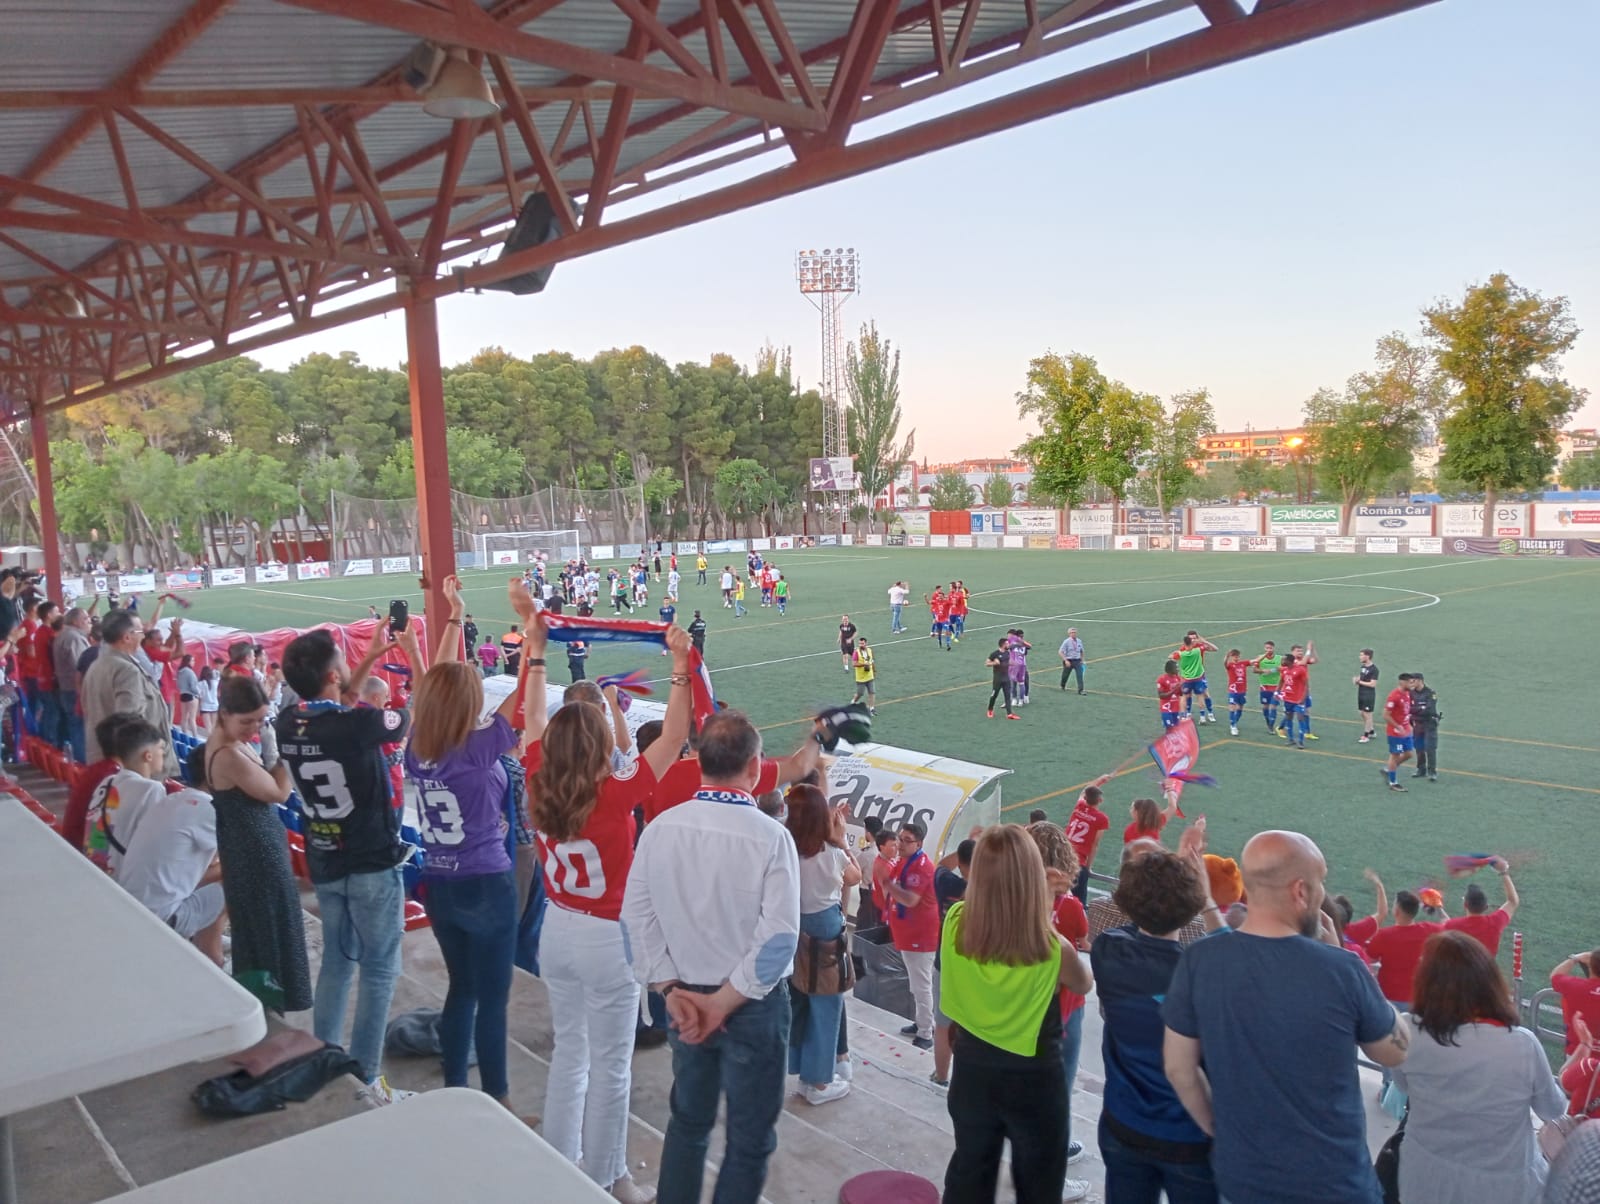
[583,816]
[1003,967]
[826,868]
[1471,1077]
[470,890]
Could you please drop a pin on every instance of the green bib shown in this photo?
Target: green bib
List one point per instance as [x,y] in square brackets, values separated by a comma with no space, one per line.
[1191,663]
[1269,670]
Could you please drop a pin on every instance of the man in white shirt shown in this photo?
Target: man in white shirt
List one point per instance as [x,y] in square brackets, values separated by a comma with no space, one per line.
[727,587]
[1071,652]
[898,593]
[719,947]
[171,867]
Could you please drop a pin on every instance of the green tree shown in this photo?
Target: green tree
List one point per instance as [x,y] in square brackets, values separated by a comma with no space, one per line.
[744,488]
[998,492]
[872,377]
[1581,472]
[1500,348]
[951,491]
[1251,474]
[479,465]
[1120,437]
[1358,441]
[1174,446]
[1064,397]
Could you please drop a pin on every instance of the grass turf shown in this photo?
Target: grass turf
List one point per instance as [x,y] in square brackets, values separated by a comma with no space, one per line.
[1495,637]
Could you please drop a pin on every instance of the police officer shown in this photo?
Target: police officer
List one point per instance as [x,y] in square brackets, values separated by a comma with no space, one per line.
[1425,717]
[697,633]
[469,633]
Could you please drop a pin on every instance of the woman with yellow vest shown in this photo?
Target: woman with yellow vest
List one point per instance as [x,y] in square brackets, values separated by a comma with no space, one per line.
[1003,966]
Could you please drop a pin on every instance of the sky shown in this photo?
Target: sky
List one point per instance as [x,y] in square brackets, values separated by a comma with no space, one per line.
[1252,230]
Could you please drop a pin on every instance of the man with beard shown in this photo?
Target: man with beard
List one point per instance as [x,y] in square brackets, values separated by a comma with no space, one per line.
[1259,1027]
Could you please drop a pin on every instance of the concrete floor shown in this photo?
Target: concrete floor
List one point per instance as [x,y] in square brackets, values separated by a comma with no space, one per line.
[94,1147]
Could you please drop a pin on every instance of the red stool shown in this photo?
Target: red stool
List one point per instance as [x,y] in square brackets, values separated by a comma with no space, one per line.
[888,1187]
[416,915]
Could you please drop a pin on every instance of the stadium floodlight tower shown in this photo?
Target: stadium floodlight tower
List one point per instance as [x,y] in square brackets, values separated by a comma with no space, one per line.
[829,278]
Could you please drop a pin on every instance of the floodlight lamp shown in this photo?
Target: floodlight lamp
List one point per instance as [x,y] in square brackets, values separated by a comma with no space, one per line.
[459,91]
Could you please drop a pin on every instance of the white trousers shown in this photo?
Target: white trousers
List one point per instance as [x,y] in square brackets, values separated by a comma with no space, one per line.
[594,1003]
[919,972]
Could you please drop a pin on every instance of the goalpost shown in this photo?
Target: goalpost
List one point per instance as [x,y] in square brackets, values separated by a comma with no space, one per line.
[507,548]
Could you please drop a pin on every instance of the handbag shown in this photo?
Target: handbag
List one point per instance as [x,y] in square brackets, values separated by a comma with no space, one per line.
[1387,1164]
[295,1081]
[823,967]
[1553,1134]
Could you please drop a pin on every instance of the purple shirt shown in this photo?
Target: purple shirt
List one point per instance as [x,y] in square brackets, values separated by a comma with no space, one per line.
[463,804]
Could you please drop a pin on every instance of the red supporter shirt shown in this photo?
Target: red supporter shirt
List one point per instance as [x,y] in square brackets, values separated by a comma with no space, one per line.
[1073,923]
[1169,689]
[1399,948]
[1485,929]
[1579,995]
[27,666]
[588,874]
[918,930]
[1083,827]
[1238,676]
[78,798]
[1360,931]
[883,868]
[680,782]
[1583,1092]
[1397,712]
[1293,683]
[1134,832]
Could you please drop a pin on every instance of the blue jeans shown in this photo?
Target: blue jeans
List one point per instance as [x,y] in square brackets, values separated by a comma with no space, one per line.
[72,724]
[474,919]
[362,920]
[738,606]
[894,617]
[746,1062]
[1135,1176]
[814,1058]
[1071,1044]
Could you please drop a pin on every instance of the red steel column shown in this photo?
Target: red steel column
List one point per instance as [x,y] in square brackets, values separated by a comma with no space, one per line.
[48,535]
[432,464]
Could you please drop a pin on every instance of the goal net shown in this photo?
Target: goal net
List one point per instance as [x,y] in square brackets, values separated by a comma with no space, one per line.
[510,548]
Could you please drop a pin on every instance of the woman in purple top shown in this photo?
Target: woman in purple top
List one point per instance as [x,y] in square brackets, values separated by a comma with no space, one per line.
[454,760]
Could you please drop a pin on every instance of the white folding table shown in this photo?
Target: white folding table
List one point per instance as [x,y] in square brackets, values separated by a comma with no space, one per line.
[94,989]
[452,1144]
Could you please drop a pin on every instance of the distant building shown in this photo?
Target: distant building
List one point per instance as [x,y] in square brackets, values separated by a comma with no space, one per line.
[1584,441]
[977,473]
[1229,447]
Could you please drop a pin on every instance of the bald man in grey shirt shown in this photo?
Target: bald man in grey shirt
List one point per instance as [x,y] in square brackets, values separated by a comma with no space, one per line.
[1072,658]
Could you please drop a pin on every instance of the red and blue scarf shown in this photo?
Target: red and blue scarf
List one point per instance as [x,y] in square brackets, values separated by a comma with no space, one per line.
[564,629]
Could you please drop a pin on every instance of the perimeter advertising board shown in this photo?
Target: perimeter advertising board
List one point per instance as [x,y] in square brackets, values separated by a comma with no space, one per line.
[987,522]
[1225,520]
[358,568]
[136,583]
[1031,522]
[233,576]
[910,522]
[1089,522]
[1566,520]
[272,572]
[1510,519]
[395,564]
[1302,520]
[1392,520]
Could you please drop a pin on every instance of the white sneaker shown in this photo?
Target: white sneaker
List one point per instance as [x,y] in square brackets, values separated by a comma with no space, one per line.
[378,1093]
[629,1192]
[837,1089]
[844,1071]
[1233,729]
[1074,1189]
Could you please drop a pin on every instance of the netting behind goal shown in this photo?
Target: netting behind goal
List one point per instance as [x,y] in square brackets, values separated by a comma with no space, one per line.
[367,531]
[494,549]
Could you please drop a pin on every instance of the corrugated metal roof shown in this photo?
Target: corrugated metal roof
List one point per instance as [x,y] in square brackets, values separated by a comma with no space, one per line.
[55,45]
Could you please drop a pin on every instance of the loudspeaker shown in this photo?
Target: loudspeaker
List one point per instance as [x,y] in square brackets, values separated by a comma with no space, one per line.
[536,225]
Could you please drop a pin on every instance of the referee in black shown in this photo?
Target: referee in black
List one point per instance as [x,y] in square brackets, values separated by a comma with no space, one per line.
[1425,718]
[1366,682]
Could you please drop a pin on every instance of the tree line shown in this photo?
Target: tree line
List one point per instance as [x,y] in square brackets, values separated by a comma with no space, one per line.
[207,462]
[1482,376]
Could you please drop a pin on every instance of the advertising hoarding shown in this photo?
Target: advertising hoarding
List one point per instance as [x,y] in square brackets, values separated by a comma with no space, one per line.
[1225,520]
[1302,520]
[1392,520]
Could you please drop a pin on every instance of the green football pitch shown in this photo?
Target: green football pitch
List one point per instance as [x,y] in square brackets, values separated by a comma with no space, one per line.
[1496,637]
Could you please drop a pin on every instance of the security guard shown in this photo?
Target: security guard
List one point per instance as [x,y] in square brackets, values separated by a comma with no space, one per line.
[1425,717]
